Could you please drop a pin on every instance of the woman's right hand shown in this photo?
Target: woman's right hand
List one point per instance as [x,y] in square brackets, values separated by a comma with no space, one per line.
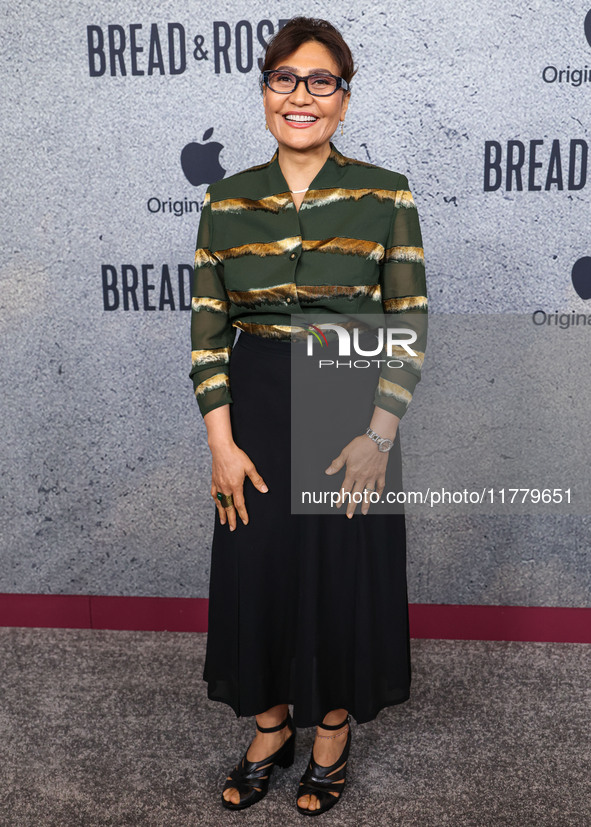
[230,466]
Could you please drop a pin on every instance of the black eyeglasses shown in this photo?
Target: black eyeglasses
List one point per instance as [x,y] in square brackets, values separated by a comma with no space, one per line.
[318,85]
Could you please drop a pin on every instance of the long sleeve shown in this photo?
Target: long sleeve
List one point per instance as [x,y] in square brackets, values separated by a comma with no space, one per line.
[212,334]
[404,300]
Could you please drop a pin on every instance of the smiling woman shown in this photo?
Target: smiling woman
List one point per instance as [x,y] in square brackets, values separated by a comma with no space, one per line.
[304,609]
[304,101]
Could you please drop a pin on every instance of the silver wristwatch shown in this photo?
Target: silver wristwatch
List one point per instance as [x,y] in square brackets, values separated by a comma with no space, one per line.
[382,443]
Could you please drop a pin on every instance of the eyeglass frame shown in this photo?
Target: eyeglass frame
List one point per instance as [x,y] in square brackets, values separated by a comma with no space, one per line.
[341,82]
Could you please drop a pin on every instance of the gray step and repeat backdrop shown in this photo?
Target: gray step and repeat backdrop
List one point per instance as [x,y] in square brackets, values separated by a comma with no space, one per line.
[115,119]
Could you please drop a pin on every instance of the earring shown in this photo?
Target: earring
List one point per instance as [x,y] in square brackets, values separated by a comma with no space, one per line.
[266,125]
[342,122]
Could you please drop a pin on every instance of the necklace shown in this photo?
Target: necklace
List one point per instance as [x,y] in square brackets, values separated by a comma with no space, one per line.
[296,191]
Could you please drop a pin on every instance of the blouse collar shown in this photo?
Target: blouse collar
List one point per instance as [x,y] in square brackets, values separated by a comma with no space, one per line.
[326,176]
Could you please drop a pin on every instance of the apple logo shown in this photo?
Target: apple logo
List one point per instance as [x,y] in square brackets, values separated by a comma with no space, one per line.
[200,162]
[581,276]
[588,27]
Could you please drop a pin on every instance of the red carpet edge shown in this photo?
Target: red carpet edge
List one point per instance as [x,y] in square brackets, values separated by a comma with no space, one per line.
[550,624]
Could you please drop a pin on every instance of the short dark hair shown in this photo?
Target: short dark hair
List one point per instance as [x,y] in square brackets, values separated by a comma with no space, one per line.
[300,30]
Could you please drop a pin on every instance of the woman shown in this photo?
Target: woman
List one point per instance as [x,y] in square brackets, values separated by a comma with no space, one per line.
[307,609]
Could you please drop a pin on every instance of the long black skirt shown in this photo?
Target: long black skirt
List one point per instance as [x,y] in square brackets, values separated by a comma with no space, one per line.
[304,609]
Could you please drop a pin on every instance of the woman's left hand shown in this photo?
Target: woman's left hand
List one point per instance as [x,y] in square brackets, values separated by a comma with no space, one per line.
[365,468]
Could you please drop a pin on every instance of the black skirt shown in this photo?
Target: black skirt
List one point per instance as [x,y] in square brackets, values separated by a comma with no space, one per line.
[304,609]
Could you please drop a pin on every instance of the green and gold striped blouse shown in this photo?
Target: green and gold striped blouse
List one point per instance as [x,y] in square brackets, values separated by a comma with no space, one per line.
[354,247]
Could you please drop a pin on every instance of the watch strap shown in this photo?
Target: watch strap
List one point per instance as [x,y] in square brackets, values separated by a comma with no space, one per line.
[379,440]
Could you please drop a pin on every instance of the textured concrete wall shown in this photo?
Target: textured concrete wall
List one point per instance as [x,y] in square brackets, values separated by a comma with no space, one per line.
[105,469]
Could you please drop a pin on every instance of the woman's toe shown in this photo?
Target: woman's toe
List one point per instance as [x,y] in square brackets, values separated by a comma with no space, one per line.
[232,795]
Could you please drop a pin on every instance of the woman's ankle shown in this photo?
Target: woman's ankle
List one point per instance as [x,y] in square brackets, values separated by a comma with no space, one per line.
[334,717]
[273,716]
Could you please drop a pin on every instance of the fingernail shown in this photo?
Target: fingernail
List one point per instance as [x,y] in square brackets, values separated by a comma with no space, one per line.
[264,488]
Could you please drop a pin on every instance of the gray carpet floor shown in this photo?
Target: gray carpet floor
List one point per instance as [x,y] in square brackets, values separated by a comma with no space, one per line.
[114,728]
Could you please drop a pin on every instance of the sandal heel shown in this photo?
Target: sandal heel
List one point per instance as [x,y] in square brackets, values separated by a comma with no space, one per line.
[251,778]
[286,757]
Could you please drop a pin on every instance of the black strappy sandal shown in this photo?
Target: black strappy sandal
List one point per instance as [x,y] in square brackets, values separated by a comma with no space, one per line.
[251,778]
[318,780]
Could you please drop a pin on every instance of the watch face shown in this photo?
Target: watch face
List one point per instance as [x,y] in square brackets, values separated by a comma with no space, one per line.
[385,445]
